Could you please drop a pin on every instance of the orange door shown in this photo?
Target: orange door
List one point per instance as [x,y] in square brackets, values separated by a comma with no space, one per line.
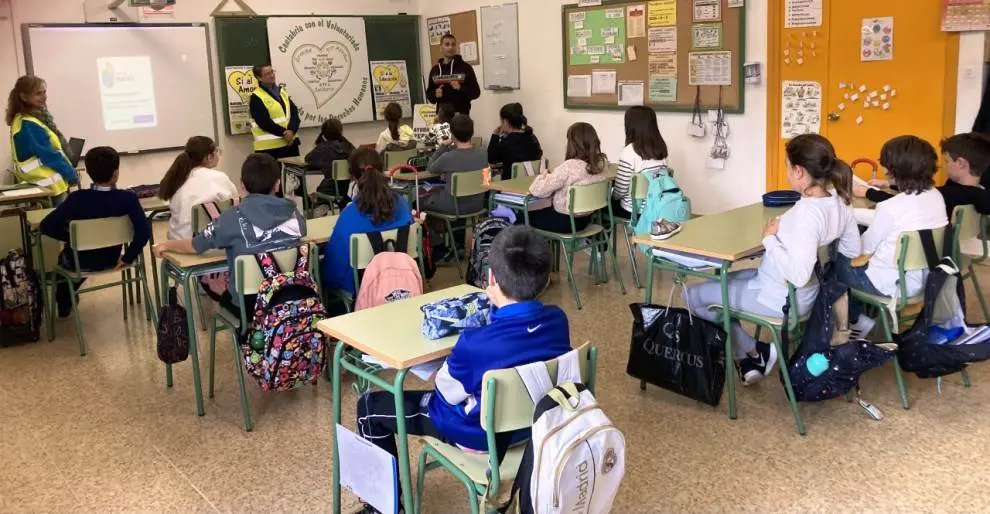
[917,84]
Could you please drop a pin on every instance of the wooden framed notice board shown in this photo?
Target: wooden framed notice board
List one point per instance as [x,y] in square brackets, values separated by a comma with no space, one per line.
[463,26]
[660,53]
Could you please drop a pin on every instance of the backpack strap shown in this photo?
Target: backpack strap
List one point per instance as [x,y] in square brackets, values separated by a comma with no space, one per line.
[401,243]
[569,368]
[377,243]
[928,245]
[268,264]
[302,259]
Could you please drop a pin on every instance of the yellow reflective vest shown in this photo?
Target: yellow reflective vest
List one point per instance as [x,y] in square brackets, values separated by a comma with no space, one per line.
[264,140]
[32,169]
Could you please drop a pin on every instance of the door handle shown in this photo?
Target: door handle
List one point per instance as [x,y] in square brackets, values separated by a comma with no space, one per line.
[834,116]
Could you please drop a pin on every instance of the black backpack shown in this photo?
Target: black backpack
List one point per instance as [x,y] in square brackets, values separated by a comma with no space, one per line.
[484,234]
[20,292]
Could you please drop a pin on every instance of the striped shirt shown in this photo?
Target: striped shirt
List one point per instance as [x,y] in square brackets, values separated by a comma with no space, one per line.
[630,164]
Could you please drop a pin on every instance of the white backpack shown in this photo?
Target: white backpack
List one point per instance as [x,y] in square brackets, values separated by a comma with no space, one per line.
[575,460]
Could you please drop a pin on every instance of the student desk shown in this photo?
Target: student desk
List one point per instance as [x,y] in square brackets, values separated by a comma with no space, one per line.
[25,193]
[183,268]
[152,206]
[520,186]
[391,333]
[726,238]
[297,167]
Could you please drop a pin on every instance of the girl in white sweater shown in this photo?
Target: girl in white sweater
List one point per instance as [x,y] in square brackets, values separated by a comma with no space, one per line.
[190,181]
[792,240]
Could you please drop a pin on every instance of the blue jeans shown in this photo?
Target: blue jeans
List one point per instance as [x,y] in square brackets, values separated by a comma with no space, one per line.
[854,277]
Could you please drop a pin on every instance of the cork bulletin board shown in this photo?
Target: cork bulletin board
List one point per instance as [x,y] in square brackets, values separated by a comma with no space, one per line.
[464,26]
[656,53]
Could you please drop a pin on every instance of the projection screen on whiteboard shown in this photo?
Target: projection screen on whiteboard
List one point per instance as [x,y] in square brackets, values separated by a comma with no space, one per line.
[133,87]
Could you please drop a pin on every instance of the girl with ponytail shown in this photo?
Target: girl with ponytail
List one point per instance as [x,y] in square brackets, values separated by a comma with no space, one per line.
[192,180]
[513,140]
[822,216]
[398,135]
[375,208]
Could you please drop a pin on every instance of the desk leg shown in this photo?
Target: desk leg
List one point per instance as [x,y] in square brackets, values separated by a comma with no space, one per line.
[337,353]
[307,206]
[162,299]
[193,345]
[723,278]
[401,437]
[154,264]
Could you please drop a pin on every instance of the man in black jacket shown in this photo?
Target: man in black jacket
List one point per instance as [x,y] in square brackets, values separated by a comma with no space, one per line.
[452,81]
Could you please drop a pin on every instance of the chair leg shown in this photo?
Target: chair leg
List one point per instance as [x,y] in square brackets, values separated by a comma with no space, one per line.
[632,257]
[569,260]
[239,365]
[199,306]
[898,374]
[149,306]
[213,354]
[420,479]
[757,334]
[615,267]
[75,315]
[788,389]
[123,293]
[453,247]
[979,294]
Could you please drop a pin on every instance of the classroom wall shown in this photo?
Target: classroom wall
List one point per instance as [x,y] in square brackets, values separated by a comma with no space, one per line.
[149,168]
[743,180]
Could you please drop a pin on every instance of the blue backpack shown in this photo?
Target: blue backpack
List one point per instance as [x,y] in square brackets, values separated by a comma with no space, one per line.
[664,199]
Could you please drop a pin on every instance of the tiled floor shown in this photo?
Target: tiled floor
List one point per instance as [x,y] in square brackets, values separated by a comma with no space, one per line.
[102,433]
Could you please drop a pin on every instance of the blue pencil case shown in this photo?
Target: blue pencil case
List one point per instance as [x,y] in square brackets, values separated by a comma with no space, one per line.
[782,198]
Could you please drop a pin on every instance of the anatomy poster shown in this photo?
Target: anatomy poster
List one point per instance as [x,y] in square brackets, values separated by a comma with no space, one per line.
[323,62]
[801,109]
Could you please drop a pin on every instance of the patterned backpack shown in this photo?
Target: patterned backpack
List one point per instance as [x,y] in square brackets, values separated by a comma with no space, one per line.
[283,349]
[484,234]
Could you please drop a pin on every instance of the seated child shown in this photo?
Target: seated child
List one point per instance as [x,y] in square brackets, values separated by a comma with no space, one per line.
[513,140]
[821,216]
[522,331]
[440,131]
[193,180]
[398,135]
[456,157]
[101,200]
[330,146]
[262,223]
[375,208]
[967,157]
[911,162]
[645,150]
[585,164]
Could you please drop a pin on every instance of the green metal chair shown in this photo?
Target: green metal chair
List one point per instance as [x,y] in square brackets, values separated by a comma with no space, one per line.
[595,199]
[909,255]
[506,406]
[462,185]
[95,234]
[969,226]
[247,280]
[638,187]
[477,141]
[397,157]
[522,169]
[339,171]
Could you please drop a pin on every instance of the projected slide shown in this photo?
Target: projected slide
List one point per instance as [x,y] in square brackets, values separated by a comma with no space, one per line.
[127,92]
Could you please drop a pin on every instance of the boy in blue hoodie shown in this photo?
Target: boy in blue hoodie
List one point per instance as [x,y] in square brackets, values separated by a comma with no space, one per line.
[522,331]
[262,223]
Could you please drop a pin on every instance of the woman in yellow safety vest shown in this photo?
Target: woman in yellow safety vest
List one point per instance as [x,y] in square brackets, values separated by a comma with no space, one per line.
[274,118]
[35,142]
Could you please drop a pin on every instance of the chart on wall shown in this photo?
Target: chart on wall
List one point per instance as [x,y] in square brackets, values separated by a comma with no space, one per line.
[598,36]
[323,62]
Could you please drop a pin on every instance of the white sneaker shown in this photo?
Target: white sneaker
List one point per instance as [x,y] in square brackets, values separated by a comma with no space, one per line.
[862,327]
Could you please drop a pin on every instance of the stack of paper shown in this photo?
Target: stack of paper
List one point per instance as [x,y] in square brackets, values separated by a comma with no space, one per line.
[688,260]
[534,204]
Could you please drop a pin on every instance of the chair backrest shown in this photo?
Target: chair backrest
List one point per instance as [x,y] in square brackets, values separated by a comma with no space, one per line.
[201,218]
[100,233]
[340,170]
[966,221]
[11,234]
[910,255]
[247,274]
[519,168]
[511,408]
[639,187]
[476,141]
[588,198]
[466,183]
[612,169]
[362,253]
[398,157]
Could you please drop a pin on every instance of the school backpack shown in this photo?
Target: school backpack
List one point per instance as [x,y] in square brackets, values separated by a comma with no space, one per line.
[664,200]
[216,282]
[20,294]
[283,348]
[173,331]
[391,275]
[575,460]
[484,234]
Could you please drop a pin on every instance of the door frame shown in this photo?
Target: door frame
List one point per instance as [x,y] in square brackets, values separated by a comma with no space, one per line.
[775,22]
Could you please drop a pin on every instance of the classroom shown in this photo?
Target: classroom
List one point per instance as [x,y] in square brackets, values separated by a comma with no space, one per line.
[375,256]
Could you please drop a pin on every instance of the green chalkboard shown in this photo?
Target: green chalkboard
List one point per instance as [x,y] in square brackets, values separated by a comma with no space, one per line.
[243,41]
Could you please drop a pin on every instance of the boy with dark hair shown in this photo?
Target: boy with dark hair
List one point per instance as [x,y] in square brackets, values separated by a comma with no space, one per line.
[967,158]
[522,331]
[456,157]
[261,223]
[101,200]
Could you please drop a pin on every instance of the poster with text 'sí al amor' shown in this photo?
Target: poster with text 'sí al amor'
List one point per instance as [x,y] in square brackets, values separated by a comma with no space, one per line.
[323,63]
[240,84]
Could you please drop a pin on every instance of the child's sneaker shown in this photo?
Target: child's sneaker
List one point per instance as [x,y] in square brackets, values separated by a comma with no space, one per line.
[663,229]
[753,369]
[862,327]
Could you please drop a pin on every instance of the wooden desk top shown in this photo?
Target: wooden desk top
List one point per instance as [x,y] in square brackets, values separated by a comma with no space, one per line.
[318,229]
[392,332]
[517,186]
[17,194]
[297,161]
[154,204]
[409,177]
[729,236]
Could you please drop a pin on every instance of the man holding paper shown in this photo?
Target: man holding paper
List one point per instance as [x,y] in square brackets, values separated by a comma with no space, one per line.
[452,81]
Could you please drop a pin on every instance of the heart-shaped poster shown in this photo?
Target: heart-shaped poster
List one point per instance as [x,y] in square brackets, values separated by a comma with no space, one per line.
[243,83]
[387,77]
[323,69]
[428,113]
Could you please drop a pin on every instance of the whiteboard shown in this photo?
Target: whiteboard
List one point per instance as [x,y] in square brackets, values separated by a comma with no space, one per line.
[133,87]
[500,46]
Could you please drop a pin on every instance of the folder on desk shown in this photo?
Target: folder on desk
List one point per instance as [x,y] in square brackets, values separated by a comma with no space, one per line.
[688,260]
[533,204]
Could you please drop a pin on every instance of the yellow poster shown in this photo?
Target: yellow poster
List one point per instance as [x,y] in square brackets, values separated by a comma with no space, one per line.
[662,13]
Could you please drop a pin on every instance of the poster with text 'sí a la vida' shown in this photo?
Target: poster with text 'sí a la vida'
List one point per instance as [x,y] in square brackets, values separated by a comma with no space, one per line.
[240,84]
[323,63]
[802,13]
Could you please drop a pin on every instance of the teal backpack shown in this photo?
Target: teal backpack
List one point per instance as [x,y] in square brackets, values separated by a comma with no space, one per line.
[664,199]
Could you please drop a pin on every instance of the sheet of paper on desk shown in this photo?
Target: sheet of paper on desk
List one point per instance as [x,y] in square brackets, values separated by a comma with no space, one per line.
[422,371]
[368,471]
[13,193]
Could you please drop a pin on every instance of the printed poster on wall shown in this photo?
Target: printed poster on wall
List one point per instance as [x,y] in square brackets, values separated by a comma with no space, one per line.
[965,15]
[597,37]
[437,28]
[323,62]
[636,21]
[706,36]
[710,69]
[801,108]
[707,10]
[663,39]
[877,39]
[662,13]
[663,89]
[802,13]
[423,120]
[240,85]
[664,64]
[390,83]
